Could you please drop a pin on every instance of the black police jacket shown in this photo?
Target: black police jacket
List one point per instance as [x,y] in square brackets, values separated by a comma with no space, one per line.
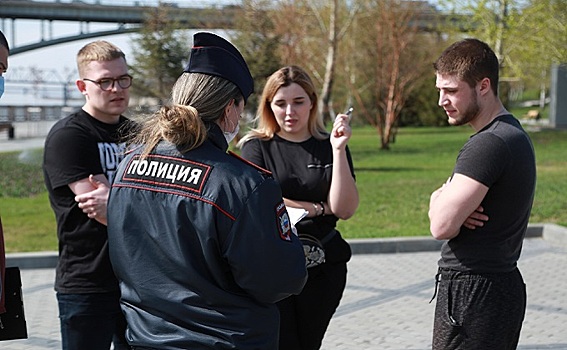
[202,246]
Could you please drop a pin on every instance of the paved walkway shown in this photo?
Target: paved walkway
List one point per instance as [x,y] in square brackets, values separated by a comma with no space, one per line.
[20,143]
[385,306]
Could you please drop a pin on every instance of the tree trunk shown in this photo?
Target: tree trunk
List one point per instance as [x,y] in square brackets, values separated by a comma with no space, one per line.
[390,112]
[325,102]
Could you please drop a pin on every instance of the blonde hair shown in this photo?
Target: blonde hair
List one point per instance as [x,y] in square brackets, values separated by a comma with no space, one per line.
[267,124]
[99,50]
[196,98]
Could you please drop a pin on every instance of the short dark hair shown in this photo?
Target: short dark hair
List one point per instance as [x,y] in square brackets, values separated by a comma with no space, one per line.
[471,60]
[3,41]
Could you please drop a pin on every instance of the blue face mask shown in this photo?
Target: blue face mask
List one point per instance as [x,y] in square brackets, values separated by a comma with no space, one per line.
[1,85]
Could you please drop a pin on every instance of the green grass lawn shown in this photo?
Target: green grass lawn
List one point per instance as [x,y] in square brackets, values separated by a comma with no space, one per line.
[394,185]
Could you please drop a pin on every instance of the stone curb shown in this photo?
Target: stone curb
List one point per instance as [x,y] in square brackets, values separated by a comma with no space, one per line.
[555,234]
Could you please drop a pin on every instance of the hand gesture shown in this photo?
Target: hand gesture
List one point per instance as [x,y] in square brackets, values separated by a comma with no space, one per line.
[341,132]
[94,203]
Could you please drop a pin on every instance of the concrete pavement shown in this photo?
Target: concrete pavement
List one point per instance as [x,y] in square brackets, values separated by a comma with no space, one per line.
[386,302]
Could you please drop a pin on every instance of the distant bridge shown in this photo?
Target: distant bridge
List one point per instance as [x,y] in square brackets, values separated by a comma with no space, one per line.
[129,18]
[130,15]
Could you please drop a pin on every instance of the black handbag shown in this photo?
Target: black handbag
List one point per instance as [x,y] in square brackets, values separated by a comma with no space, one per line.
[13,321]
[314,248]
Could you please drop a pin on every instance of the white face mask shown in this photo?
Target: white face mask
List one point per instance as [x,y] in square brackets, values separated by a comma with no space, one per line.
[1,85]
[229,136]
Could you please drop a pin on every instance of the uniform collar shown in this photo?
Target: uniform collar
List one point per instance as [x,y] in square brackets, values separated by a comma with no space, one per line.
[216,136]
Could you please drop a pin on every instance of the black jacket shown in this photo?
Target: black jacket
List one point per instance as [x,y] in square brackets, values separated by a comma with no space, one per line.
[202,246]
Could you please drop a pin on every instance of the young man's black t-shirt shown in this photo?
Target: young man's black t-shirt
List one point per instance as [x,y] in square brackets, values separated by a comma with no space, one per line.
[76,147]
[501,157]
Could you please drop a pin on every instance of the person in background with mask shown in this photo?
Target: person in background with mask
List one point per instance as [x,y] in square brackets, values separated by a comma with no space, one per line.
[81,155]
[4,52]
[201,240]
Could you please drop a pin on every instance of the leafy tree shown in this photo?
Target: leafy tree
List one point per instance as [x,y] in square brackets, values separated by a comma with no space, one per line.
[539,40]
[391,59]
[160,54]
[334,37]
[421,107]
[258,42]
[294,32]
[528,36]
[369,53]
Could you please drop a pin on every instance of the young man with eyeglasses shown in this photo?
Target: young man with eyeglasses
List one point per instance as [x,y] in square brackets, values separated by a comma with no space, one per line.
[81,155]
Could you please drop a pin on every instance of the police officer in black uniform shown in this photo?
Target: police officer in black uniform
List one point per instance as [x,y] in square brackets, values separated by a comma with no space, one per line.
[201,241]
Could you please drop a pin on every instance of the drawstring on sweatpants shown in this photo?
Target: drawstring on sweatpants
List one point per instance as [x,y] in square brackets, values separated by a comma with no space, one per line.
[437,280]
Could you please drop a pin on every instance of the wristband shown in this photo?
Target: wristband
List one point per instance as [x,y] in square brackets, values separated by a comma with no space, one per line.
[322,208]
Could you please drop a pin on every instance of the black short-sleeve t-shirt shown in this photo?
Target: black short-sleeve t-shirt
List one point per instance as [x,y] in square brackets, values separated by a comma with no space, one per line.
[304,172]
[75,147]
[501,157]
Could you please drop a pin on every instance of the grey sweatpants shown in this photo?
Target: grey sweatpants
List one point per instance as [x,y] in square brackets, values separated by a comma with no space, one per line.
[479,311]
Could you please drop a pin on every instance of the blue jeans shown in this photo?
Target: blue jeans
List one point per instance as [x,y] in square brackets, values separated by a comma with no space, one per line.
[91,321]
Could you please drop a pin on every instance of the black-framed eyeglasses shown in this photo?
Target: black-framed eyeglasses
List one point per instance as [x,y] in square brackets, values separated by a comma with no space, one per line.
[107,84]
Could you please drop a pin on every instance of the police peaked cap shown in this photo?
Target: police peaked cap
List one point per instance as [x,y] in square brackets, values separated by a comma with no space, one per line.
[214,55]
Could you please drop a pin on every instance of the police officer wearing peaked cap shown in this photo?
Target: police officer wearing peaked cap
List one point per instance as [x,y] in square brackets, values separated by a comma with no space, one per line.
[200,240]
